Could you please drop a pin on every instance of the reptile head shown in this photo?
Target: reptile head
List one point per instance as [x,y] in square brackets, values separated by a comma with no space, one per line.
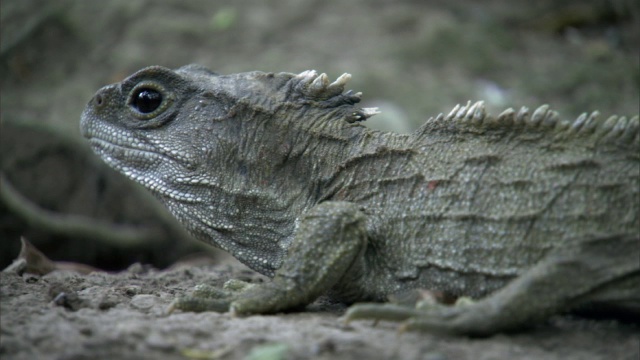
[210,145]
[161,115]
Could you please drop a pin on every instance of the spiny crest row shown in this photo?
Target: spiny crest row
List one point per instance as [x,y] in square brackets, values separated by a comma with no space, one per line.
[613,128]
[317,86]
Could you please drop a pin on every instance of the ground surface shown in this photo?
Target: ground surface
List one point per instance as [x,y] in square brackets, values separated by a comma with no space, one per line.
[412,59]
[122,316]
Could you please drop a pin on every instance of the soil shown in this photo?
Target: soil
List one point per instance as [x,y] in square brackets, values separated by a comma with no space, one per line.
[64,315]
[412,59]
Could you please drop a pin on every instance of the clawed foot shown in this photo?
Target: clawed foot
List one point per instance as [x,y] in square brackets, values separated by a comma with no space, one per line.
[464,318]
[210,298]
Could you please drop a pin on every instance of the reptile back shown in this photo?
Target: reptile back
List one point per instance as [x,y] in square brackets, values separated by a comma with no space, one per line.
[490,196]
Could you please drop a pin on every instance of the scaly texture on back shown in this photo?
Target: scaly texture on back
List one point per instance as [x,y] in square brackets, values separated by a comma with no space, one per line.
[489,196]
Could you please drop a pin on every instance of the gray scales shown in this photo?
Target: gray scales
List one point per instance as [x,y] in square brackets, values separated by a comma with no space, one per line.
[527,214]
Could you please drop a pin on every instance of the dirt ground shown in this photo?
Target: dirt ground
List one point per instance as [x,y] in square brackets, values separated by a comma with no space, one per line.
[64,315]
[412,59]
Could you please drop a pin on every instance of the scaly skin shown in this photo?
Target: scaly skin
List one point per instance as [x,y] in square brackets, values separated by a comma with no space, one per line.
[528,213]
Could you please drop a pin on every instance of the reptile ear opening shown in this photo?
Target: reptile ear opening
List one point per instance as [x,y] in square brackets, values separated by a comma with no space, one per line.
[148,100]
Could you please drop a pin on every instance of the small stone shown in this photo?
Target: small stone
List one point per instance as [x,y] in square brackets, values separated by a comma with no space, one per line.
[144,301]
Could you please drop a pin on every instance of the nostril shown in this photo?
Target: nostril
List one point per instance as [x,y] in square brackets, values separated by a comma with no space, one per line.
[98,100]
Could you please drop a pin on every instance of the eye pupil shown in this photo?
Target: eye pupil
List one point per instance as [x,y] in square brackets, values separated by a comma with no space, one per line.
[147,100]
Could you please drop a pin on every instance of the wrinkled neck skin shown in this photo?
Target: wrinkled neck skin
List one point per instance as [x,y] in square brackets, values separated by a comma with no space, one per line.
[245,174]
[261,175]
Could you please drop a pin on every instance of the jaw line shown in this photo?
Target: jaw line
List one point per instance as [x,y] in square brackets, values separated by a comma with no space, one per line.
[109,148]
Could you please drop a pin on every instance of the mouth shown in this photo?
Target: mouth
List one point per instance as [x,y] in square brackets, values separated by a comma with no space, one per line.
[135,154]
[119,156]
[138,165]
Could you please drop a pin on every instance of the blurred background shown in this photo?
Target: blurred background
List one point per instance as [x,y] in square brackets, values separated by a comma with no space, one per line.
[413,59]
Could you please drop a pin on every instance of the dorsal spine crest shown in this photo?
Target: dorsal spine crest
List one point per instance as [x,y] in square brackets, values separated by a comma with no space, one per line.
[474,118]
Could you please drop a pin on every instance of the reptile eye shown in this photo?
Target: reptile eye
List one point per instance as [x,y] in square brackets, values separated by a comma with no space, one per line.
[146,100]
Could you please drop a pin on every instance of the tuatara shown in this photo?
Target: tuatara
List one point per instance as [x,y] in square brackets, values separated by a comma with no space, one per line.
[528,214]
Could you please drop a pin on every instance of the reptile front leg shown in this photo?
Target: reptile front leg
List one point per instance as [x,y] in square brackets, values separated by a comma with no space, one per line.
[328,240]
[595,271]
